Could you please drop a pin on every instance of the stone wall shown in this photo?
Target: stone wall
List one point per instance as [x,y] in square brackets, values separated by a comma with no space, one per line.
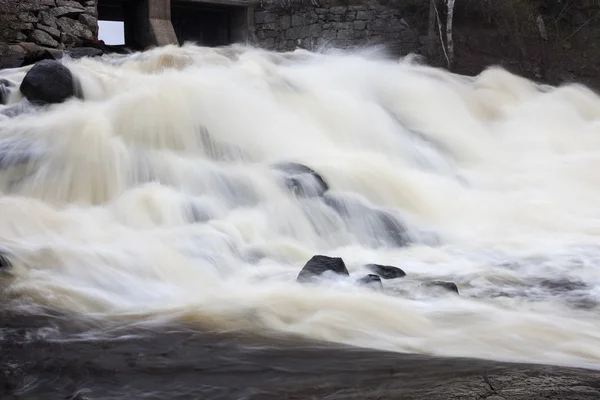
[48,23]
[310,26]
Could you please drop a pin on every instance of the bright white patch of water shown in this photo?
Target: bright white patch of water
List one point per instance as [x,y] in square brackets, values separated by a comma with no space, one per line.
[155,196]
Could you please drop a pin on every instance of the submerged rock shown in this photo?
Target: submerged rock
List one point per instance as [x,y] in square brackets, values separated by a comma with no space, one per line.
[318,265]
[372,226]
[386,271]
[302,180]
[449,286]
[372,281]
[49,82]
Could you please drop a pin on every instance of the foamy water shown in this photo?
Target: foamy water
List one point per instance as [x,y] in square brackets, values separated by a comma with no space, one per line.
[155,197]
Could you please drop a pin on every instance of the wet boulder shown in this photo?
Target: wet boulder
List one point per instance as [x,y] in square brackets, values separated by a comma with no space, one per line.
[49,82]
[371,281]
[386,271]
[4,262]
[318,265]
[448,286]
[301,180]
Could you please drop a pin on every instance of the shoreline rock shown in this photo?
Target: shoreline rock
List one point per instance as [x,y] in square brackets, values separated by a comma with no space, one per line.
[176,361]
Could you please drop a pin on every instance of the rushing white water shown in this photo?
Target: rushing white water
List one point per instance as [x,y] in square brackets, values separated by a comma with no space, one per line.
[155,196]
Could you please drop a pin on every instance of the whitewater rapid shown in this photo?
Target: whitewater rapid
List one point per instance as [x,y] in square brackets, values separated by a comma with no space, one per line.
[155,197]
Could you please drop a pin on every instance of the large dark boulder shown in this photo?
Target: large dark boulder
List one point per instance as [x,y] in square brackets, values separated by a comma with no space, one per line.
[318,265]
[386,271]
[49,82]
[372,281]
[301,180]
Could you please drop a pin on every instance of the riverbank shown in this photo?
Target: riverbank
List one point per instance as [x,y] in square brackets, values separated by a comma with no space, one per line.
[175,361]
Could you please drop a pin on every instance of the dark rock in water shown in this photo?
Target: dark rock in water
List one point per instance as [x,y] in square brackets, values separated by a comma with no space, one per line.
[4,93]
[449,286]
[4,262]
[386,271]
[302,180]
[317,265]
[371,280]
[50,82]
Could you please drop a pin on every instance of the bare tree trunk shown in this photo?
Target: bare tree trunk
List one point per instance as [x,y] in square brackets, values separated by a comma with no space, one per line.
[431,30]
[449,38]
[439,23]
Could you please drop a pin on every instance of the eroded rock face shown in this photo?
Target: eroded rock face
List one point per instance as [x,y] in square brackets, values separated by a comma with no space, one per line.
[49,82]
[50,23]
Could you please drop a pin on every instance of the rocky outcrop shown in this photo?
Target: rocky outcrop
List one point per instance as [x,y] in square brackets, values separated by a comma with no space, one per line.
[305,25]
[49,82]
[50,23]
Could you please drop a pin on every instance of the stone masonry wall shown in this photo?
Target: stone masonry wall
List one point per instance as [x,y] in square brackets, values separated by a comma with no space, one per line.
[310,27]
[48,23]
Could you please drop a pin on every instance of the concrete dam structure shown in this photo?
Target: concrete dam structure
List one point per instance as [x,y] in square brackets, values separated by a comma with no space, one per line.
[160,22]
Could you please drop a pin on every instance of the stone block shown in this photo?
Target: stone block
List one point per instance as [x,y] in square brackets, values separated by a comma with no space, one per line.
[329,34]
[342,25]
[27,16]
[21,26]
[93,11]
[359,25]
[364,15]
[47,19]
[315,30]
[338,10]
[88,21]
[297,20]
[285,22]
[350,16]
[75,28]
[49,3]
[359,34]
[344,34]
[334,17]
[29,5]
[48,29]
[304,31]
[65,11]
[292,33]
[43,38]
[68,3]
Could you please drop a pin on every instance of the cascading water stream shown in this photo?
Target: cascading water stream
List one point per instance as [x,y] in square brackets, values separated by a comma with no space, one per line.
[158,195]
